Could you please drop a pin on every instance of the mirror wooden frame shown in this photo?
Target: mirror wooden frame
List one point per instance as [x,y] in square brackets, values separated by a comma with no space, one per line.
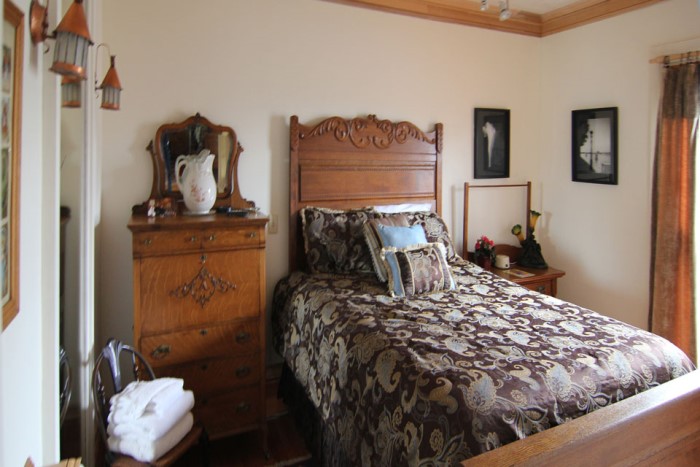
[164,185]
[12,63]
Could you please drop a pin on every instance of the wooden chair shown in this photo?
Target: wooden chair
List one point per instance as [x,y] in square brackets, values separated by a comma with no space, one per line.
[108,369]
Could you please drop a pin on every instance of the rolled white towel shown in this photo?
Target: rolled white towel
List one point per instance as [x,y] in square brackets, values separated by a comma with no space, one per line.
[131,402]
[155,425]
[146,450]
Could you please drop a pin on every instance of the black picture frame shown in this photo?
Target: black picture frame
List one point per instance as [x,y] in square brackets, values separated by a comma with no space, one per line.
[491,143]
[594,146]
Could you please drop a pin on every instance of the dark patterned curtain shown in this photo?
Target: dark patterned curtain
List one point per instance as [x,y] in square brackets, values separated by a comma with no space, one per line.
[672,308]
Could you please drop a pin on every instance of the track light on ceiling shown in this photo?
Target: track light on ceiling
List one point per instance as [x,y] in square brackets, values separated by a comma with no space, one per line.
[503,10]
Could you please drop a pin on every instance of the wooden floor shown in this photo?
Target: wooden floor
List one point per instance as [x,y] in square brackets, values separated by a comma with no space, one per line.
[286,447]
[245,450]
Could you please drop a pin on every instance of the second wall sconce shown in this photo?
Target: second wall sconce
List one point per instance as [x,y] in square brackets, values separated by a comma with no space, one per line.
[71,52]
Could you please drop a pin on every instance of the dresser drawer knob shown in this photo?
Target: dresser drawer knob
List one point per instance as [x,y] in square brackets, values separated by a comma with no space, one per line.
[211,237]
[541,289]
[252,234]
[193,239]
[243,407]
[242,337]
[147,242]
[242,372]
[161,351]
[203,332]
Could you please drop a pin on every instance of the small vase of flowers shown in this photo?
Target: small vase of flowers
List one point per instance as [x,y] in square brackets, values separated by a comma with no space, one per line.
[484,252]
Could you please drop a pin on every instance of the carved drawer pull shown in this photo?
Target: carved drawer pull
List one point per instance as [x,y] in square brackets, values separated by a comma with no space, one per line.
[203,332]
[242,372]
[161,351]
[211,237]
[147,242]
[243,337]
[252,234]
[243,407]
[542,289]
[193,239]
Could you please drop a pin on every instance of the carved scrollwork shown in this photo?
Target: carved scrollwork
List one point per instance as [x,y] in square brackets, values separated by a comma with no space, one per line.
[364,132]
[202,287]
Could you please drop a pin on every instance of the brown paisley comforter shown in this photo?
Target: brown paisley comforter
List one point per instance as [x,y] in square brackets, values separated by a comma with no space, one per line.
[435,379]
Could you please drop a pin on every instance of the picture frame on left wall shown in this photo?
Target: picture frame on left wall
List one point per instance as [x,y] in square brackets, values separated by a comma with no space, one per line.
[10,156]
[491,143]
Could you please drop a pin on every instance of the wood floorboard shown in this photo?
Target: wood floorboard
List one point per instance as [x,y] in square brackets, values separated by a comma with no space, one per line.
[245,450]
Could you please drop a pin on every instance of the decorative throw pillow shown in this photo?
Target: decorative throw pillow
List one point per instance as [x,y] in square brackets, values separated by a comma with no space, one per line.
[435,230]
[374,241]
[334,240]
[417,269]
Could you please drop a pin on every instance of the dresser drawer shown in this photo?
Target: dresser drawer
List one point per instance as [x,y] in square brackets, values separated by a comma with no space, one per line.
[202,343]
[183,241]
[216,376]
[230,413]
[544,287]
[198,289]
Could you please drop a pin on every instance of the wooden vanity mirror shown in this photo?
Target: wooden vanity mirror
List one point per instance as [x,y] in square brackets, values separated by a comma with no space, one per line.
[190,137]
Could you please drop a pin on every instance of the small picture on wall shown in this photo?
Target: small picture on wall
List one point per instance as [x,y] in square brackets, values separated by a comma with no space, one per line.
[594,145]
[491,143]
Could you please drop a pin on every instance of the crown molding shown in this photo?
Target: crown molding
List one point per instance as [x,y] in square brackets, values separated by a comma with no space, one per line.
[521,22]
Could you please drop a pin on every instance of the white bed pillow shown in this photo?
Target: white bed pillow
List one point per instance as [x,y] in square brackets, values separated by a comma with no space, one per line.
[405,207]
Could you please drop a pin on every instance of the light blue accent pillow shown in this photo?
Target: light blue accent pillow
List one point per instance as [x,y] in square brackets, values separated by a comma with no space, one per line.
[399,237]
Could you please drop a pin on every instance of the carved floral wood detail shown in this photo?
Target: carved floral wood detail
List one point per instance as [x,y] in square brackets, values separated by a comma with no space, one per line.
[363,132]
[202,287]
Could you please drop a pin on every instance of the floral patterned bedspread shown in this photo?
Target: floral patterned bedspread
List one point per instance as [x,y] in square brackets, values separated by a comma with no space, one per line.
[435,379]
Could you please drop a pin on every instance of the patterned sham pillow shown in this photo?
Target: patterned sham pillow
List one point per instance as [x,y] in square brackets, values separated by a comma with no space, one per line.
[435,230]
[374,241]
[417,269]
[334,240]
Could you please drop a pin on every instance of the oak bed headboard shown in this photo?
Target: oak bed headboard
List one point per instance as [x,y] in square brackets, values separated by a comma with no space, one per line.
[348,163]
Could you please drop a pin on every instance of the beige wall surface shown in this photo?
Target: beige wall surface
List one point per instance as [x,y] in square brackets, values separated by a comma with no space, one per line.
[252,64]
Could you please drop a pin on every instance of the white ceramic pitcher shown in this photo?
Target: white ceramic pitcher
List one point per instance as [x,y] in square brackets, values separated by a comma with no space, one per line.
[197,182]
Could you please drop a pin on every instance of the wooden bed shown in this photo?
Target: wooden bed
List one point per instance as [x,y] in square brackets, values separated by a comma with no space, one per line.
[339,163]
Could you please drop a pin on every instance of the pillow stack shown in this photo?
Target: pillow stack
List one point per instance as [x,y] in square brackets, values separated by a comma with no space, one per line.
[148,418]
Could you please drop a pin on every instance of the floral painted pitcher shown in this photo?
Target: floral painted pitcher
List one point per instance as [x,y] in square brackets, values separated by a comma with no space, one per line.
[197,182]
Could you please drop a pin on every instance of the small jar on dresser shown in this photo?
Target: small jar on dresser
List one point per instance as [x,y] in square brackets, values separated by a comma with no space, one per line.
[199,312]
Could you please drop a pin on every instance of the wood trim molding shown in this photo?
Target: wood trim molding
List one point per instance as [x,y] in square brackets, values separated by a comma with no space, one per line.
[522,22]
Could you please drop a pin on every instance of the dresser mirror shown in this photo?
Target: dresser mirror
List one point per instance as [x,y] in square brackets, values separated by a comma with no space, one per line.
[190,137]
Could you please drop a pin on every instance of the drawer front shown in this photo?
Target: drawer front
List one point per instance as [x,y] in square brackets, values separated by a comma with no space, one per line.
[201,343]
[236,411]
[193,290]
[251,236]
[170,242]
[544,287]
[216,376]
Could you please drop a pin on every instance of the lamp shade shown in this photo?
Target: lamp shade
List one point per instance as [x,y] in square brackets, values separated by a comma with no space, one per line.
[111,87]
[72,42]
[71,91]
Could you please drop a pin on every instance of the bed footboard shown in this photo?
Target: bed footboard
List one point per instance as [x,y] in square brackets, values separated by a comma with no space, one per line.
[661,426]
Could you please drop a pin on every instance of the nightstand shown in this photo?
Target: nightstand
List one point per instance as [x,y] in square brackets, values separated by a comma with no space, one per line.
[540,280]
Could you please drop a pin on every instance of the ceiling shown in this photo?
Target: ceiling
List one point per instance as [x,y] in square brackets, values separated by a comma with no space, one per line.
[529,17]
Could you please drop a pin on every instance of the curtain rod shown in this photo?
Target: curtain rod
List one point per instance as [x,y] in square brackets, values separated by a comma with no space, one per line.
[668,59]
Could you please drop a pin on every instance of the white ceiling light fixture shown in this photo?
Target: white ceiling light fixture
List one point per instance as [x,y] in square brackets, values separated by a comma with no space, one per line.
[504,10]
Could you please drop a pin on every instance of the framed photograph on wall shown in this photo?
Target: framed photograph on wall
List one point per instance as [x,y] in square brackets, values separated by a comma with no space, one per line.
[491,143]
[594,145]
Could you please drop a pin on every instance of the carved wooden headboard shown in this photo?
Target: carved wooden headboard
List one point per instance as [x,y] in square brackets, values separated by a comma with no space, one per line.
[347,163]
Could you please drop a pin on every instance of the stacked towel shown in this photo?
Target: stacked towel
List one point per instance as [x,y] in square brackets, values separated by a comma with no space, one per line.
[148,418]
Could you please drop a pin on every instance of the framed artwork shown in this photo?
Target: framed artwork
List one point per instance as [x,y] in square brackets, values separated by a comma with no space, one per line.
[594,145]
[12,52]
[491,143]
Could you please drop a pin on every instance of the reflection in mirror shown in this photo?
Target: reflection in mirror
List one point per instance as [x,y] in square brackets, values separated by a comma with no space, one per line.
[190,137]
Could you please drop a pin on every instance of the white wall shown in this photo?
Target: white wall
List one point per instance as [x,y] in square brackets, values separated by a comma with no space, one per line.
[600,234]
[253,63]
[28,356]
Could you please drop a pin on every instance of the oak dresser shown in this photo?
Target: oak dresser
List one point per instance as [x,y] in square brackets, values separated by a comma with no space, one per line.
[199,312]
